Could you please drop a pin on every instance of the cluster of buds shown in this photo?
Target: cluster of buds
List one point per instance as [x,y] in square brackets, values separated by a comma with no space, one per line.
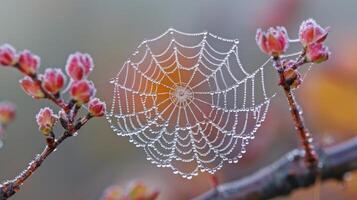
[275,41]
[78,68]
[51,85]
[136,191]
[312,36]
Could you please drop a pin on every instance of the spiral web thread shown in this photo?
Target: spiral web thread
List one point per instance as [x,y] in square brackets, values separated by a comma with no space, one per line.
[188,102]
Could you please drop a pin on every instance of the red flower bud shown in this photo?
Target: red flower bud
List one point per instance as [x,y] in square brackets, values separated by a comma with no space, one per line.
[7,112]
[46,120]
[311,32]
[53,80]
[96,107]
[28,62]
[8,55]
[274,42]
[82,91]
[79,65]
[31,87]
[317,53]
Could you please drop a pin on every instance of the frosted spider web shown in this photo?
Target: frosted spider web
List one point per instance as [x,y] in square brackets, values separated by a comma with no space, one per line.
[188,102]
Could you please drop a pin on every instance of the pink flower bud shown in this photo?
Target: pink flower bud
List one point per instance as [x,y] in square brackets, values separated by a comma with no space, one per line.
[317,53]
[82,91]
[274,42]
[96,107]
[311,32]
[28,62]
[7,112]
[8,55]
[79,65]
[31,87]
[46,120]
[53,80]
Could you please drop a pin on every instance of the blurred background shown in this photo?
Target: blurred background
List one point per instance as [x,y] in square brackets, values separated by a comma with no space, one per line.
[84,166]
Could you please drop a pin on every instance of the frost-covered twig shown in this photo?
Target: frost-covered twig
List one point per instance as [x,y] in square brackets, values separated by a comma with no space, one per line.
[275,42]
[288,174]
[9,188]
[311,156]
[49,86]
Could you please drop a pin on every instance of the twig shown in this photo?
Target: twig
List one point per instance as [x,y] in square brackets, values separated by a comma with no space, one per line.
[9,188]
[311,156]
[288,174]
[48,86]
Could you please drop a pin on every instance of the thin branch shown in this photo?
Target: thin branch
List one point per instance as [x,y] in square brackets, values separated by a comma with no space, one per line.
[9,188]
[311,156]
[288,174]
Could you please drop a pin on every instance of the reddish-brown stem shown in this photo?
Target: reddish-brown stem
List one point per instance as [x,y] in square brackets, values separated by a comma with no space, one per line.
[305,137]
[9,188]
[311,156]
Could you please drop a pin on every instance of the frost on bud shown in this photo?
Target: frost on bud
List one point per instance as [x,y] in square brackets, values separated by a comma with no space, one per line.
[28,62]
[53,80]
[310,32]
[31,87]
[46,120]
[274,41]
[79,65]
[8,55]
[96,107]
[82,91]
[317,53]
[7,112]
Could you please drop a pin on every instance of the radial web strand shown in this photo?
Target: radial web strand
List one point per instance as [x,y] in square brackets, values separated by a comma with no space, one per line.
[188,102]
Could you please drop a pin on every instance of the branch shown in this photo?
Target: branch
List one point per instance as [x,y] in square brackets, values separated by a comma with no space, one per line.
[288,174]
[311,156]
[9,188]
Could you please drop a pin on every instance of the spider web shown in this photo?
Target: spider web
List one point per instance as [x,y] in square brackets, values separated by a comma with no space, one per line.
[188,102]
